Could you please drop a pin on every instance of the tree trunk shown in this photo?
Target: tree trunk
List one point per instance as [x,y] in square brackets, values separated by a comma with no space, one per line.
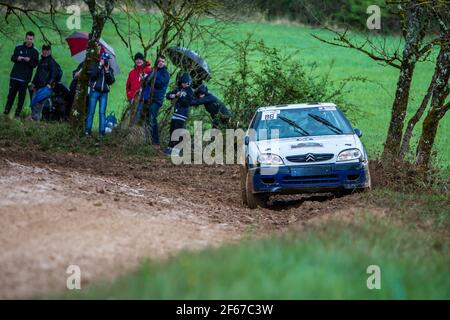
[438,107]
[414,120]
[100,14]
[79,106]
[415,27]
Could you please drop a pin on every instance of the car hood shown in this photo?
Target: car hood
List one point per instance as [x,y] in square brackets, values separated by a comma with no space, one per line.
[304,145]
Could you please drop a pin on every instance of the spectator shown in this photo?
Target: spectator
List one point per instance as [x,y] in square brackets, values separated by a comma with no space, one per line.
[217,109]
[183,96]
[155,88]
[25,58]
[137,74]
[100,79]
[48,73]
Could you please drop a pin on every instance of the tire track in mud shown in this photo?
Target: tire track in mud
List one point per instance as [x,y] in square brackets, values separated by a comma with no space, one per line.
[108,215]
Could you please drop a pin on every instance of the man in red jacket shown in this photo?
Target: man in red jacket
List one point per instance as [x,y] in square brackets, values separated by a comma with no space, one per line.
[141,68]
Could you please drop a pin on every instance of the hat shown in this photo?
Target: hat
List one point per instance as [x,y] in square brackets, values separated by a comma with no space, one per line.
[105,56]
[186,78]
[203,89]
[139,56]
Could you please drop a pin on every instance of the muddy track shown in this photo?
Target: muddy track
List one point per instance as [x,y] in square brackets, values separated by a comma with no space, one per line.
[107,215]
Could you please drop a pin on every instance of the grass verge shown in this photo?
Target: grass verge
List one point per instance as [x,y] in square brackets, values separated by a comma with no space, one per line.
[328,261]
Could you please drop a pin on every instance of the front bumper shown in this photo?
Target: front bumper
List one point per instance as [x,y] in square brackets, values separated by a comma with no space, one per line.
[310,179]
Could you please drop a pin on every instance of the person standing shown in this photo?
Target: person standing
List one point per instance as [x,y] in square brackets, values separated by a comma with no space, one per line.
[182,97]
[154,91]
[25,59]
[101,77]
[137,74]
[48,73]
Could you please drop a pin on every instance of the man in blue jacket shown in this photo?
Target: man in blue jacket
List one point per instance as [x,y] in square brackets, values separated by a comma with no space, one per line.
[101,77]
[25,58]
[155,88]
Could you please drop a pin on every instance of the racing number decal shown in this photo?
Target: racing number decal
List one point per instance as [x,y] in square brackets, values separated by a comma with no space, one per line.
[270,115]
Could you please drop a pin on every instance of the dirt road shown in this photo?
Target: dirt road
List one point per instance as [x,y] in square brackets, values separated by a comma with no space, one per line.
[107,215]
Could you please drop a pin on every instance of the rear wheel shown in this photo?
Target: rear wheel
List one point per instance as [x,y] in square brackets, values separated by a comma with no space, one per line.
[254,200]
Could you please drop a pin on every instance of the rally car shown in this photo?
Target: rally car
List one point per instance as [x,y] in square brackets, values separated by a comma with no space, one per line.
[302,148]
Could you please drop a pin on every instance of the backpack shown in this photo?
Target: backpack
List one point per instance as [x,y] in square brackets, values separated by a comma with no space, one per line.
[111,122]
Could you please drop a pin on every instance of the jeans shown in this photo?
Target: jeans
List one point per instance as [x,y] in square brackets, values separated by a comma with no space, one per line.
[36,111]
[102,98]
[15,87]
[153,119]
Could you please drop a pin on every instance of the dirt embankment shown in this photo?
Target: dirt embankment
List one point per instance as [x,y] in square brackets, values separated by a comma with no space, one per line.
[107,215]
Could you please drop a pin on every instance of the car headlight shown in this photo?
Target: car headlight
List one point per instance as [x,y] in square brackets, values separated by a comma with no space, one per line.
[270,160]
[350,154]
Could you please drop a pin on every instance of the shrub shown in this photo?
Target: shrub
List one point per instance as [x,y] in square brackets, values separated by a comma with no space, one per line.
[275,80]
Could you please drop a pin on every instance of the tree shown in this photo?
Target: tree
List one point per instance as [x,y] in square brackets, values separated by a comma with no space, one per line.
[156,25]
[439,93]
[100,11]
[417,19]
[19,12]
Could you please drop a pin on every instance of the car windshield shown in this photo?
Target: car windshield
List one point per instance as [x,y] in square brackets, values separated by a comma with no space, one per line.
[300,122]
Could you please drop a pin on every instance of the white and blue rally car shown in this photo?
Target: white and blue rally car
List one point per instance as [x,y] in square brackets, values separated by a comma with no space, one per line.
[302,148]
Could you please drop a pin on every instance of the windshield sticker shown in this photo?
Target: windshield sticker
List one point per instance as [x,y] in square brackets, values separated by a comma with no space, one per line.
[327,108]
[270,115]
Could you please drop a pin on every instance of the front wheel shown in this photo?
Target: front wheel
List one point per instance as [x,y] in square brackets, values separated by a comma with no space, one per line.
[243,181]
[254,200]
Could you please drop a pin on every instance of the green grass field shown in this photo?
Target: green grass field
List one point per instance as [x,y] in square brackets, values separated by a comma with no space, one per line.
[326,262]
[374,97]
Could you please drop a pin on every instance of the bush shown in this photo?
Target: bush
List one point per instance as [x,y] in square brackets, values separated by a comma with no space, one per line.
[277,80]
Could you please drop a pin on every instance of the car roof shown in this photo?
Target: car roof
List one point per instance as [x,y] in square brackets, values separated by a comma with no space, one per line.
[297,106]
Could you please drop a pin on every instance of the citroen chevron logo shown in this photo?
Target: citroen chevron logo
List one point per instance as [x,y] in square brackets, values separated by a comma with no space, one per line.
[310,157]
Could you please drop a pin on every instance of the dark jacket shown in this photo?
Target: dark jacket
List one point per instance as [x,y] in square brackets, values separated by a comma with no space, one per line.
[161,83]
[182,103]
[99,79]
[212,104]
[46,73]
[23,71]
[74,83]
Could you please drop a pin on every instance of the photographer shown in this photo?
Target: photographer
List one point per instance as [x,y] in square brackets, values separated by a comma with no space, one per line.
[182,97]
[101,77]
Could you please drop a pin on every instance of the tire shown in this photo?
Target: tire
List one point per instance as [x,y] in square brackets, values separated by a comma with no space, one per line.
[369,177]
[254,200]
[243,178]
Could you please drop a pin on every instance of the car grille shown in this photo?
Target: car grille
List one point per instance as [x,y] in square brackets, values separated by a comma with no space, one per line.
[310,157]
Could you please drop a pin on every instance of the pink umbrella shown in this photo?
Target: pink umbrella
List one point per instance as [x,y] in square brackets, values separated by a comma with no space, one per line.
[78,43]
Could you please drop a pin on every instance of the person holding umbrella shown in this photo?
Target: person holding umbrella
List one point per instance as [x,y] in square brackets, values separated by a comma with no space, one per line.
[100,79]
[155,87]
[25,58]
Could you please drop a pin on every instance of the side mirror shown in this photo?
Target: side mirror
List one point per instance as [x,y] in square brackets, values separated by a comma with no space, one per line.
[358,133]
[247,140]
